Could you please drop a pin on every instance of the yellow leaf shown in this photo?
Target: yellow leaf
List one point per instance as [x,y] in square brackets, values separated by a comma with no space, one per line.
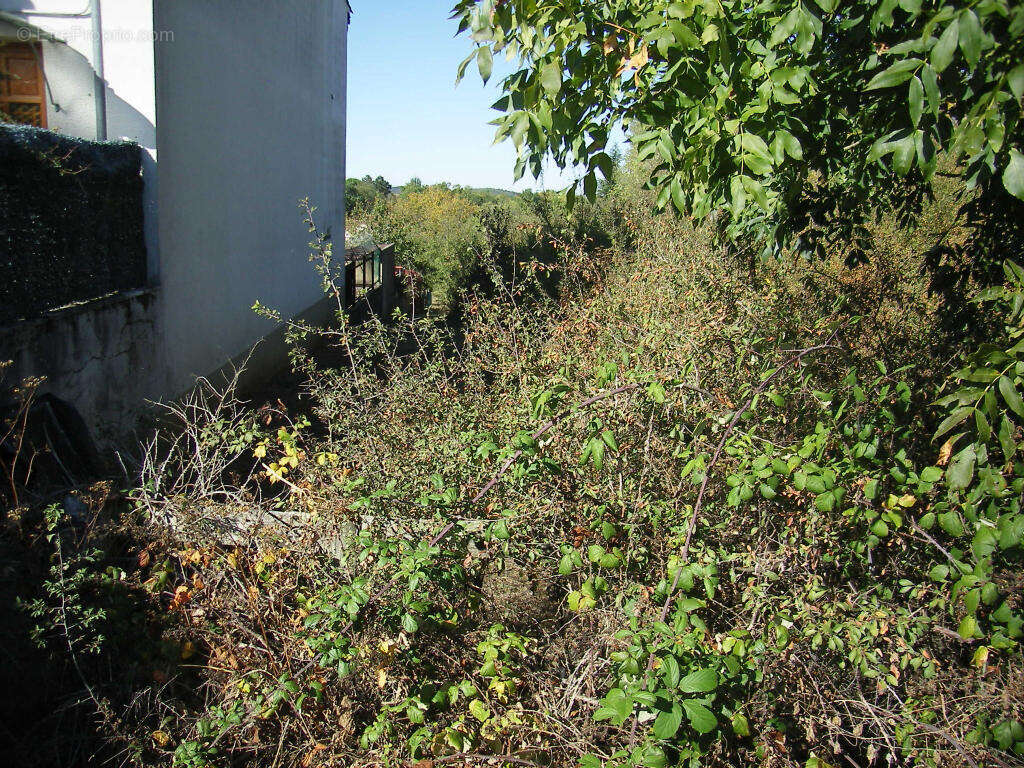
[640,58]
[161,739]
[945,452]
[382,677]
[188,650]
[908,500]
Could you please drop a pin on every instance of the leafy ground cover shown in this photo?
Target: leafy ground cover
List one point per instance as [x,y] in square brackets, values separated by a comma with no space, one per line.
[644,504]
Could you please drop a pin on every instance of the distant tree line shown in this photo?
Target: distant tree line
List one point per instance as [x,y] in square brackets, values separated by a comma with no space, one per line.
[360,194]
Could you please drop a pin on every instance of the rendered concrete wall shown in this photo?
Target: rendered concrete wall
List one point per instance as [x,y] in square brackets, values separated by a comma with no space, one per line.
[251,106]
[97,357]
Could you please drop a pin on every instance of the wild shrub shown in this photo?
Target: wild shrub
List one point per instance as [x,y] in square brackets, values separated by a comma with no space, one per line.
[436,232]
[682,513]
[686,511]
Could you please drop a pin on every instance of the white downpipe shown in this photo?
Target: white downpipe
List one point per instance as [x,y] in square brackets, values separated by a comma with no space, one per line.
[100,81]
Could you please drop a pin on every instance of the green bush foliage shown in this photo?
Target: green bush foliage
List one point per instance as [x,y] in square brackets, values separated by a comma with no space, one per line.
[799,119]
[436,232]
[682,511]
[361,194]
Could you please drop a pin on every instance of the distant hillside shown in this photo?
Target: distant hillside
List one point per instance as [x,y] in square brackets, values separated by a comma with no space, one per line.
[493,191]
[479,191]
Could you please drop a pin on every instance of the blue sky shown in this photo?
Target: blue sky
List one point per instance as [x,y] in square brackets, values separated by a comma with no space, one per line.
[406,117]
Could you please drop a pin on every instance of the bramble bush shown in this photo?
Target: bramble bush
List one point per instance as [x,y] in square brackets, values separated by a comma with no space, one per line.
[683,511]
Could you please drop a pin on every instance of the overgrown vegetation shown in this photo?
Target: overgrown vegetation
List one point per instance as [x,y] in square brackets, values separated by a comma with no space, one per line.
[664,509]
[361,194]
[633,498]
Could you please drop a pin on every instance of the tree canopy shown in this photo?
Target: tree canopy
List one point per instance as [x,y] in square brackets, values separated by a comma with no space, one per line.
[360,194]
[800,119]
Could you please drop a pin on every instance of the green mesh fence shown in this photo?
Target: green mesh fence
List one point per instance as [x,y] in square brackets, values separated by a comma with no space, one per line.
[70,220]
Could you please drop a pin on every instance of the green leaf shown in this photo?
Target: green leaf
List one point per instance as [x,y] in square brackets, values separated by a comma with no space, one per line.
[791,144]
[1013,175]
[654,757]
[784,28]
[970,36]
[484,62]
[1006,440]
[897,74]
[903,154]
[670,671]
[565,565]
[499,530]
[1009,392]
[961,469]
[678,196]
[737,195]
[700,681]
[985,542]
[551,77]
[915,100]
[479,710]
[461,73]
[931,89]
[950,522]
[942,53]
[700,717]
[667,723]
[610,560]
[968,628]
[740,725]
[1016,81]
[616,707]
[826,501]
[950,422]
[755,152]
[409,623]
[604,164]
[982,425]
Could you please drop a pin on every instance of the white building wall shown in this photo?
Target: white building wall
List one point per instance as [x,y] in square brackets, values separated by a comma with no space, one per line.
[70,62]
[250,100]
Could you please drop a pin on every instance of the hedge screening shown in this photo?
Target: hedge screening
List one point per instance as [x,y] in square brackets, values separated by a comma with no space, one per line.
[70,220]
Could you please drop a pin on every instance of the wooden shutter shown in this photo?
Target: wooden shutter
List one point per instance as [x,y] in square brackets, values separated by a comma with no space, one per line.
[22,90]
